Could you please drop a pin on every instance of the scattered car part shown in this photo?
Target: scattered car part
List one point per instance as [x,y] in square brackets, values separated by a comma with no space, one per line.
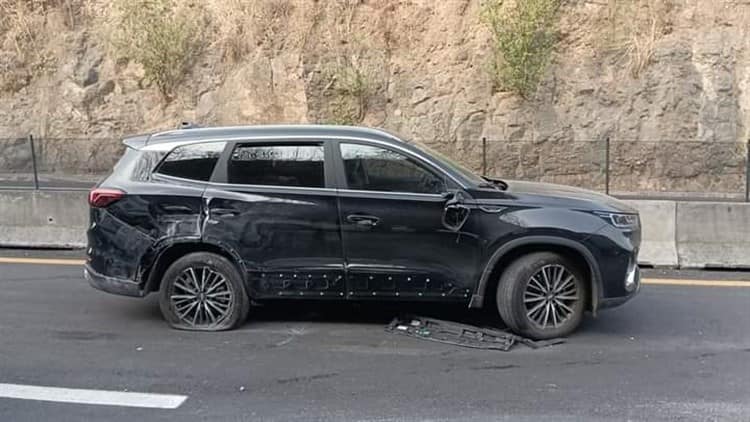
[464,335]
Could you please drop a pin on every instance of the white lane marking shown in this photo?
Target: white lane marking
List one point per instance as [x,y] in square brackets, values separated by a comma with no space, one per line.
[701,283]
[97,397]
[41,261]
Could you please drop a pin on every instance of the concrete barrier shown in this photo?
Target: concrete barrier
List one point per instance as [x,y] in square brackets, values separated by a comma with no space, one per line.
[43,219]
[713,234]
[675,233]
[659,246]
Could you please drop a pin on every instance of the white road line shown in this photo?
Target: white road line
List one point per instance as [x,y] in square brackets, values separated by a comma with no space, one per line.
[41,261]
[700,283]
[97,397]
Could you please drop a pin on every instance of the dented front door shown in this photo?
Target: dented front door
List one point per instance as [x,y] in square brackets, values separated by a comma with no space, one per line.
[398,240]
[397,246]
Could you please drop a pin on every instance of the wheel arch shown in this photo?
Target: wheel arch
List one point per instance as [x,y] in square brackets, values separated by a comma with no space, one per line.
[174,250]
[514,249]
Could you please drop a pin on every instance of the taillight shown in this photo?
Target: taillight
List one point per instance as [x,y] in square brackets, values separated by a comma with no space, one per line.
[100,198]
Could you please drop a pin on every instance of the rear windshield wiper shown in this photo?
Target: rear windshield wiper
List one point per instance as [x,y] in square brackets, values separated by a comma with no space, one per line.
[495,183]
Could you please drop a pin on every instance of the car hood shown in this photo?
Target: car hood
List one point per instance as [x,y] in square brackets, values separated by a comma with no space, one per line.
[548,194]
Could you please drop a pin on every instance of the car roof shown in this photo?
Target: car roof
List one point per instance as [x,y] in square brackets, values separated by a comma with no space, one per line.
[166,141]
[173,137]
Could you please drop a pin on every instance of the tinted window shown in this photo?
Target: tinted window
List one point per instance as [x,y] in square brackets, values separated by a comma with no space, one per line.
[379,169]
[136,165]
[194,161]
[277,165]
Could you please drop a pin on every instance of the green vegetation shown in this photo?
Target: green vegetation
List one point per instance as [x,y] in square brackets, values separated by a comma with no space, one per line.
[350,88]
[350,68]
[160,36]
[523,38]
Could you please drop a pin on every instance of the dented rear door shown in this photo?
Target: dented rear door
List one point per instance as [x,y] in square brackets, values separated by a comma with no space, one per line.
[271,202]
[160,206]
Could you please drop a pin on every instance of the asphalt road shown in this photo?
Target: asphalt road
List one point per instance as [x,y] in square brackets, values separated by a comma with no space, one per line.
[673,353]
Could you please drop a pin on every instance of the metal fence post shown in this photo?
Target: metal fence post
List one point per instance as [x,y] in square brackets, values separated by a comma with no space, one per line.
[747,171]
[484,156]
[33,162]
[606,166]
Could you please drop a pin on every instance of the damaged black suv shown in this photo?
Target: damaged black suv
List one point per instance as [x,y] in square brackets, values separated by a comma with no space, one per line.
[212,218]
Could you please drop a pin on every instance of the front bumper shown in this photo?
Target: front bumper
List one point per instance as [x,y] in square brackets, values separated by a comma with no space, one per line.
[118,286]
[611,302]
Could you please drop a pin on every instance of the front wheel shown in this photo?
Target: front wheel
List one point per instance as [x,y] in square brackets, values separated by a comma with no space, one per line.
[203,292]
[542,296]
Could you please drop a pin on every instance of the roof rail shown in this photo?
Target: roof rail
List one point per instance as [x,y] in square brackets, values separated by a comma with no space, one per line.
[188,125]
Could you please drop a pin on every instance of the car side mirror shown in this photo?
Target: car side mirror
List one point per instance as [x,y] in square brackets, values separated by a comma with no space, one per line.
[454,196]
[455,212]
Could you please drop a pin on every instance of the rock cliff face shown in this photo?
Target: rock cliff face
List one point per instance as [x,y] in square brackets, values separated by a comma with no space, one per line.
[667,81]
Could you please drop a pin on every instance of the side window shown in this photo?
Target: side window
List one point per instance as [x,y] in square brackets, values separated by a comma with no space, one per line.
[277,165]
[378,169]
[194,161]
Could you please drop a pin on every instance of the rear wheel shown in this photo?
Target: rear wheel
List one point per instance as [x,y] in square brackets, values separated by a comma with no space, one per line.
[203,292]
[542,296]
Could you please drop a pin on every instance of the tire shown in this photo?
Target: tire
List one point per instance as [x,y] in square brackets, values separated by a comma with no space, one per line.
[203,291]
[529,308]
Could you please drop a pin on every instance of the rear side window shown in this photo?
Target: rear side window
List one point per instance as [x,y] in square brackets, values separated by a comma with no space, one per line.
[135,165]
[277,165]
[194,162]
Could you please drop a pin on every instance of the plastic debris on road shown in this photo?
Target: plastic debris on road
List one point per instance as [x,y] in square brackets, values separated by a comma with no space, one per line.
[458,334]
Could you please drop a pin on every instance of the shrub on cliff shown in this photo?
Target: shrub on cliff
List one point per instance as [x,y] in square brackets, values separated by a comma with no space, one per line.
[523,38]
[160,36]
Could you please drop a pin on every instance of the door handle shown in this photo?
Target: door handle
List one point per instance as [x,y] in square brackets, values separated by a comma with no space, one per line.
[223,212]
[363,220]
[176,209]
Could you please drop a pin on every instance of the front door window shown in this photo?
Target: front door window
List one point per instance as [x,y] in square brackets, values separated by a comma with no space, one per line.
[372,168]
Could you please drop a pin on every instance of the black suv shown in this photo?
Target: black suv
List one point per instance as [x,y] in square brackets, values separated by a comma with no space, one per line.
[213,218]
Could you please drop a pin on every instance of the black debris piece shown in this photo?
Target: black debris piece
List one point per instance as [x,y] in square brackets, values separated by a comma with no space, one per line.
[461,334]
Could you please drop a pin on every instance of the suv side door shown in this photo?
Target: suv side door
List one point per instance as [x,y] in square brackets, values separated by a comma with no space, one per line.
[273,202]
[396,244]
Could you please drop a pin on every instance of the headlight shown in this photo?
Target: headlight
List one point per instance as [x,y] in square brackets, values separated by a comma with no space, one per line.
[621,221]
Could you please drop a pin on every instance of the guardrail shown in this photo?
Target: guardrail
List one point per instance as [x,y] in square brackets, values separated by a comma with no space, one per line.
[631,169]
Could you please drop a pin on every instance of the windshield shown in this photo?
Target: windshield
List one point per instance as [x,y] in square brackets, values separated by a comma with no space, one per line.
[451,164]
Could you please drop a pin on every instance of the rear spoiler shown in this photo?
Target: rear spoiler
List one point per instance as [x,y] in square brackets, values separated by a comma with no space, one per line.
[137,141]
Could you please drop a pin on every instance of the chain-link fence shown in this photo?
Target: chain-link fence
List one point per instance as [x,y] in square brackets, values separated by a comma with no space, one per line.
[56,163]
[669,169]
[674,169]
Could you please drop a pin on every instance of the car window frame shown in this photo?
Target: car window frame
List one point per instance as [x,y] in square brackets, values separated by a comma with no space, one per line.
[154,172]
[220,174]
[450,182]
